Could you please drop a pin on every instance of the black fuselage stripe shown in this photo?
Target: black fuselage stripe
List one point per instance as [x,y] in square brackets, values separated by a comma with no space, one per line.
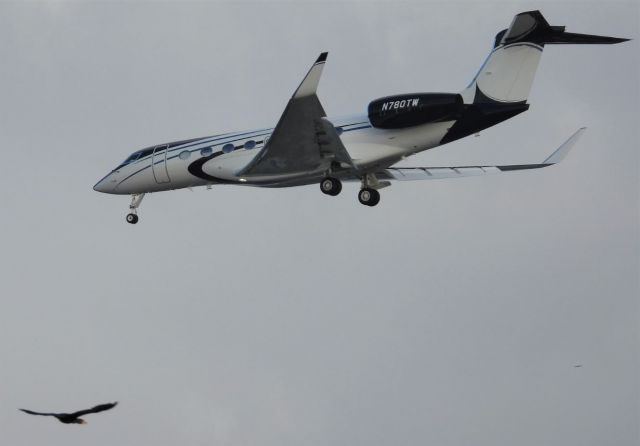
[204,176]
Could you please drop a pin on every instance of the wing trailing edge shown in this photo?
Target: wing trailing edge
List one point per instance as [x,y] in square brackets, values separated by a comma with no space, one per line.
[301,137]
[435,173]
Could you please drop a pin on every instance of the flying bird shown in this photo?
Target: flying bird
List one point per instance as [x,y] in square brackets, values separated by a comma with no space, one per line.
[74,418]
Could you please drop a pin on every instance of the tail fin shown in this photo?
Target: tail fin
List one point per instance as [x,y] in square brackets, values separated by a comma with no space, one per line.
[507,74]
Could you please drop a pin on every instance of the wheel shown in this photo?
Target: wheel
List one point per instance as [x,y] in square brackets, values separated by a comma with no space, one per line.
[331,186]
[132,218]
[369,197]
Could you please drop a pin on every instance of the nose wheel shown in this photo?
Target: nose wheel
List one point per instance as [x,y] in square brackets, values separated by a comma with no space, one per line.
[132,217]
[369,197]
[331,186]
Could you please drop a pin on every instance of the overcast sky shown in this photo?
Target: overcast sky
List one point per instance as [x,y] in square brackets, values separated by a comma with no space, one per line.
[453,313]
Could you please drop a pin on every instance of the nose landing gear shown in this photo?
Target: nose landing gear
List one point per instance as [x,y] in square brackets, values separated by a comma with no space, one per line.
[132,217]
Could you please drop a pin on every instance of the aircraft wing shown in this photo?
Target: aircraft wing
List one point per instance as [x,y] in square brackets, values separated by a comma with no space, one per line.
[434,173]
[303,140]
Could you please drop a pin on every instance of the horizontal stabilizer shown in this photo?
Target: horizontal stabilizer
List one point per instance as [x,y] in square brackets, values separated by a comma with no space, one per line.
[532,27]
[575,38]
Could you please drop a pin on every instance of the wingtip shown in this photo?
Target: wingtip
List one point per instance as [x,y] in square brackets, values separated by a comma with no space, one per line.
[322,57]
[561,152]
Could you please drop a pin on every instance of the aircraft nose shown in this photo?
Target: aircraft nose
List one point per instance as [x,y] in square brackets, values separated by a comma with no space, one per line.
[106,185]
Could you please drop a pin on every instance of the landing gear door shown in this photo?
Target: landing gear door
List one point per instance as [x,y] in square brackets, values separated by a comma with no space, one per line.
[159,163]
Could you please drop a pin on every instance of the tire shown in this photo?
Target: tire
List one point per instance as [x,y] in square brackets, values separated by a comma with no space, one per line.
[330,186]
[132,218]
[369,197]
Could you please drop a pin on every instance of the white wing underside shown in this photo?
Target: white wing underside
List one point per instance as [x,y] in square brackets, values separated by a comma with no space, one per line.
[436,173]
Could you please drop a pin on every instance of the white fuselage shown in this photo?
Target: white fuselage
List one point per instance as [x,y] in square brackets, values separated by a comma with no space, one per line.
[211,160]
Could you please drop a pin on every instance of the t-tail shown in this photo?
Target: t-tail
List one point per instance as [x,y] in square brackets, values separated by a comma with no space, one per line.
[507,75]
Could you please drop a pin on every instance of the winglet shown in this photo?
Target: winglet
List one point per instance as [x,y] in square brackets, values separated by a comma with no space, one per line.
[309,84]
[322,57]
[562,151]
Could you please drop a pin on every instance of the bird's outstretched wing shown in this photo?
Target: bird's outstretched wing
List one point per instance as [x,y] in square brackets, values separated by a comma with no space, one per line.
[99,408]
[30,412]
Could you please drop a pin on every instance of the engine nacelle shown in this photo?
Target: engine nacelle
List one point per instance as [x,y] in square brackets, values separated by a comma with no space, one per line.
[407,110]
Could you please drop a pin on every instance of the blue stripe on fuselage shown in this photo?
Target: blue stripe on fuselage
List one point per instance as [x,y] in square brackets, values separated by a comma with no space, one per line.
[220,138]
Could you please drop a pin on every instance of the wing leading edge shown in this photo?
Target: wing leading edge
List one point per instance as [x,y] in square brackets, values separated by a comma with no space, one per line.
[435,173]
[304,140]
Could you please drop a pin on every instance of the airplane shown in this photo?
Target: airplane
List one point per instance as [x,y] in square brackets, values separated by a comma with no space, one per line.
[306,147]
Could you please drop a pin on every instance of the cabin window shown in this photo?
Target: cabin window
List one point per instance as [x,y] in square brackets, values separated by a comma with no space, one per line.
[185,154]
[206,151]
[250,144]
[228,148]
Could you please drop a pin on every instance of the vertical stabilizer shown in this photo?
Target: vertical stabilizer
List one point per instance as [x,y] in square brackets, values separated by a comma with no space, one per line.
[507,74]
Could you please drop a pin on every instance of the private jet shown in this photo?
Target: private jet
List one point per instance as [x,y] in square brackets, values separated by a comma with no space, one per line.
[307,147]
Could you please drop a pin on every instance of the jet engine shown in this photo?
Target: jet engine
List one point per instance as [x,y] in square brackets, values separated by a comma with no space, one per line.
[407,110]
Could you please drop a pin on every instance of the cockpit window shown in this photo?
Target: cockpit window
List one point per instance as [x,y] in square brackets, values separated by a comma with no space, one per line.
[138,155]
[147,152]
[134,156]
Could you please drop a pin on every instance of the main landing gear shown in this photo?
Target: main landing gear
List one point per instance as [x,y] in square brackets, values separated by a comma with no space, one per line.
[368,195]
[331,186]
[132,217]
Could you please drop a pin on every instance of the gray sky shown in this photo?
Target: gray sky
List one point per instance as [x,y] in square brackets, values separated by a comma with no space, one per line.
[451,314]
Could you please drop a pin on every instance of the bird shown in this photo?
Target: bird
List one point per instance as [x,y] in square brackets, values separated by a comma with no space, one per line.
[74,418]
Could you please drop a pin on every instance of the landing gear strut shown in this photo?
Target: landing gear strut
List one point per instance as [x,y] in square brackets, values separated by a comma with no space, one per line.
[132,217]
[331,186]
[369,195]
